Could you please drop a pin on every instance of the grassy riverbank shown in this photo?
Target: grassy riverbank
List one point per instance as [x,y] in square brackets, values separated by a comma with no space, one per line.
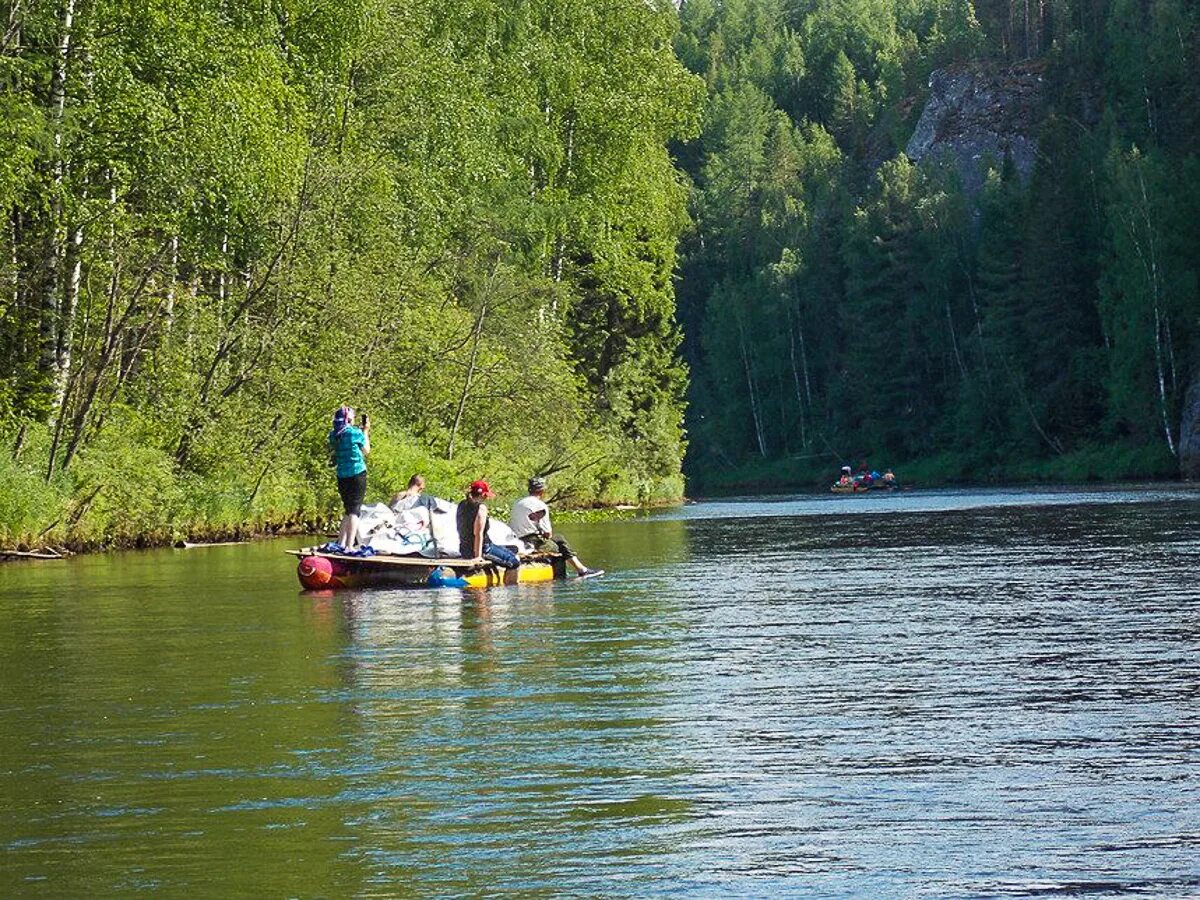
[123,494]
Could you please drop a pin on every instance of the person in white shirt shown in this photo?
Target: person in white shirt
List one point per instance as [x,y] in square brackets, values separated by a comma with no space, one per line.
[530,521]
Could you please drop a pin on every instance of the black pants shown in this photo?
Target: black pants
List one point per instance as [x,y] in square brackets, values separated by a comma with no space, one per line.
[353,489]
[543,543]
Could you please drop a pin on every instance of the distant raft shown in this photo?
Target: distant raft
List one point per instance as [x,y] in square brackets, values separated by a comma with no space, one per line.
[319,570]
[862,484]
[852,488]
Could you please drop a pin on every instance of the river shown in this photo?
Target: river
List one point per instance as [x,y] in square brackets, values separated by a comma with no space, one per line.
[966,693]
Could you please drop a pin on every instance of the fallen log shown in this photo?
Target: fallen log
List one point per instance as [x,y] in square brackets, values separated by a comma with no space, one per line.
[47,553]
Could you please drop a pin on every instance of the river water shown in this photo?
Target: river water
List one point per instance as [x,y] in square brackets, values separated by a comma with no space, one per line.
[943,693]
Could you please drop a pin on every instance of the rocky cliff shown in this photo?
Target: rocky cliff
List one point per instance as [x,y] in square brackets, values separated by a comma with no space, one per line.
[973,118]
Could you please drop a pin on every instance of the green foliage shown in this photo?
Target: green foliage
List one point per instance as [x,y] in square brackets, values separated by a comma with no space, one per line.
[28,504]
[224,221]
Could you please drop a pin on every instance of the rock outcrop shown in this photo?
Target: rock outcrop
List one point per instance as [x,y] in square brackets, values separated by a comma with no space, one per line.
[973,119]
[1189,433]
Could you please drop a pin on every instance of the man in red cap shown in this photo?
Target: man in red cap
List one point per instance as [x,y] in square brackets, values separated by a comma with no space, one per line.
[473,540]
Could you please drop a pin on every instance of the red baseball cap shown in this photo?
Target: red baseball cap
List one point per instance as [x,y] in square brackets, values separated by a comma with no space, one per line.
[481,487]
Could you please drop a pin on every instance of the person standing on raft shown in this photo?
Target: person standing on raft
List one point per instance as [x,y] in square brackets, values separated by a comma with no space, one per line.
[530,521]
[473,541]
[349,447]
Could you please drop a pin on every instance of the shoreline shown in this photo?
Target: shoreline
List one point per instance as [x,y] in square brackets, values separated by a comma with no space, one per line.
[55,551]
[776,477]
[1148,484]
[24,552]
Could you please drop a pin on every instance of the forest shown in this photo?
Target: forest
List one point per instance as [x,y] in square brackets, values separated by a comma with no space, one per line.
[224,218]
[1032,315]
[583,239]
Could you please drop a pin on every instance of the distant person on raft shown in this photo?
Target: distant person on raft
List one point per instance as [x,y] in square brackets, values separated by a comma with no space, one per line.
[348,449]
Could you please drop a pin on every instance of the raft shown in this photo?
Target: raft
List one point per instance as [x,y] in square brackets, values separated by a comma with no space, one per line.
[850,488]
[876,487]
[318,570]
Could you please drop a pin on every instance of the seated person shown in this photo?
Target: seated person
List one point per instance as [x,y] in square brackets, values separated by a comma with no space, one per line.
[530,521]
[473,541]
[412,496]
[419,506]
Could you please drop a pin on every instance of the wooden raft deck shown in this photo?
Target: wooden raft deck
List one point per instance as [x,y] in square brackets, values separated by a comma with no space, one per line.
[415,560]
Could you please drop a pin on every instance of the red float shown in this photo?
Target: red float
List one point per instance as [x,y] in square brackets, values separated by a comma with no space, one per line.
[315,572]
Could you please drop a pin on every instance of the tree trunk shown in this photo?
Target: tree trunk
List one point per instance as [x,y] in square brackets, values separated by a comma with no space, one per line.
[1154,277]
[66,325]
[115,331]
[14,259]
[12,29]
[796,378]
[1170,344]
[754,410]
[222,288]
[1161,380]
[781,393]
[962,368]
[559,243]
[52,258]
[476,335]
[48,314]
[172,276]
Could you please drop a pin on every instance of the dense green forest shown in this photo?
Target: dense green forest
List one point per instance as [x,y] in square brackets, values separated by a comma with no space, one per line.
[843,303]
[475,220]
[224,218]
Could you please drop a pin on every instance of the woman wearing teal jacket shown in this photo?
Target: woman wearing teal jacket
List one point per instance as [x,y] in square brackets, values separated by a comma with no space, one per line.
[349,447]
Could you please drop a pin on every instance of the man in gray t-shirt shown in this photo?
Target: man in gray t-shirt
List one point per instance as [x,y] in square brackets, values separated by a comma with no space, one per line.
[530,521]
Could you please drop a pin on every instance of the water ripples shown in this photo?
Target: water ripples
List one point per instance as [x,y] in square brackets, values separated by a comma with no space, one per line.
[965,701]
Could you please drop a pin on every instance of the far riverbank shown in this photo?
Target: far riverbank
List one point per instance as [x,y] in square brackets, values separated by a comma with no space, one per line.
[816,472]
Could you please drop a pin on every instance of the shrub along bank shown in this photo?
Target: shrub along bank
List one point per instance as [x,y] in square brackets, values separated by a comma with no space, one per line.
[125,495]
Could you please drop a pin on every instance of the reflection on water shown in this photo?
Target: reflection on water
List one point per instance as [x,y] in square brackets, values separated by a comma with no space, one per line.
[525,725]
[985,694]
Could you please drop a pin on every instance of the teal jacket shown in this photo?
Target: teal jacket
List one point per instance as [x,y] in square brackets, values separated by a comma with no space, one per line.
[347,450]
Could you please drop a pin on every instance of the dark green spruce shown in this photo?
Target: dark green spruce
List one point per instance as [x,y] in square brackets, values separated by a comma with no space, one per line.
[1024,308]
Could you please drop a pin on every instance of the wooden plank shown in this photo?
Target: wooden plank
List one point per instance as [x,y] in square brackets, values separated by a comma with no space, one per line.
[414,560]
[411,561]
